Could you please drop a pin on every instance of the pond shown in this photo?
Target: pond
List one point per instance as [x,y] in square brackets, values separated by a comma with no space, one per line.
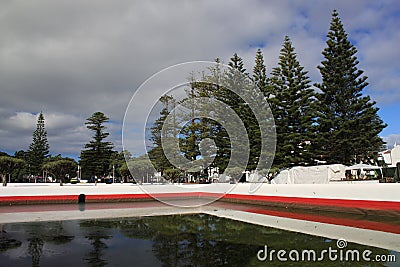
[174,240]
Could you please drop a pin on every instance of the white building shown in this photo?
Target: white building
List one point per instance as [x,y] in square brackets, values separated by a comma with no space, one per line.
[391,156]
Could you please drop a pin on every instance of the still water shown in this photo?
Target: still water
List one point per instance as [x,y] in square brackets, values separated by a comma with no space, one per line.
[187,240]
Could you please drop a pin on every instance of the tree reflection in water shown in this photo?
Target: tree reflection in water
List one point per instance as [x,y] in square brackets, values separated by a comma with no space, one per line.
[45,232]
[202,240]
[96,232]
[35,250]
[37,235]
[187,240]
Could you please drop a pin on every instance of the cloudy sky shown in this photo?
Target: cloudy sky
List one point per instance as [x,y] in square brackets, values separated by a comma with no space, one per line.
[72,58]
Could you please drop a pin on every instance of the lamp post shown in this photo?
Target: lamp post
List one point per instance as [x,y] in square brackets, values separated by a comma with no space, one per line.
[79,172]
[113,173]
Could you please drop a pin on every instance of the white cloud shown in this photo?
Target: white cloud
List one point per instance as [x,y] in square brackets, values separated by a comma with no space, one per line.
[391,140]
[19,121]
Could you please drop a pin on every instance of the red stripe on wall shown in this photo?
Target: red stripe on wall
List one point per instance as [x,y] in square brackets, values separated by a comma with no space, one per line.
[38,198]
[363,224]
[345,203]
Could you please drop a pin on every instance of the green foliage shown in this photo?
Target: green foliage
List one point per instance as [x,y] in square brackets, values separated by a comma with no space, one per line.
[56,158]
[201,128]
[173,175]
[260,78]
[39,148]
[3,154]
[9,164]
[24,169]
[196,129]
[338,124]
[156,154]
[140,168]
[238,79]
[96,158]
[348,121]
[293,106]
[61,168]
[235,173]
[117,160]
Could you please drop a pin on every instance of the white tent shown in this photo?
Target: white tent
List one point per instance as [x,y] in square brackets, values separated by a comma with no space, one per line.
[363,170]
[363,166]
[321,174]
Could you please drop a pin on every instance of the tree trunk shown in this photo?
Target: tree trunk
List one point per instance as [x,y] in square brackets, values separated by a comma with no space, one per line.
[4,179]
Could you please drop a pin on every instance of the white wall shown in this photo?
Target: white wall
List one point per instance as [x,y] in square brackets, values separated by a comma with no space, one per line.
[395,155]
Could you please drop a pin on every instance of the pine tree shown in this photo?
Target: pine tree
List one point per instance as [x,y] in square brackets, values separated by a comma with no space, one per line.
[191,132]
[212,87]
[235,78]
[96,158]
[262,83]
[348,121]
[294,113]
[238,78]
[156,153]
[260,74]
[39,148]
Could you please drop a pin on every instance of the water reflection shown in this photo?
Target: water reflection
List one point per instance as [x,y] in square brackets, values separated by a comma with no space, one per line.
[35,249]
[97,236]
[82,206]
[189,240]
